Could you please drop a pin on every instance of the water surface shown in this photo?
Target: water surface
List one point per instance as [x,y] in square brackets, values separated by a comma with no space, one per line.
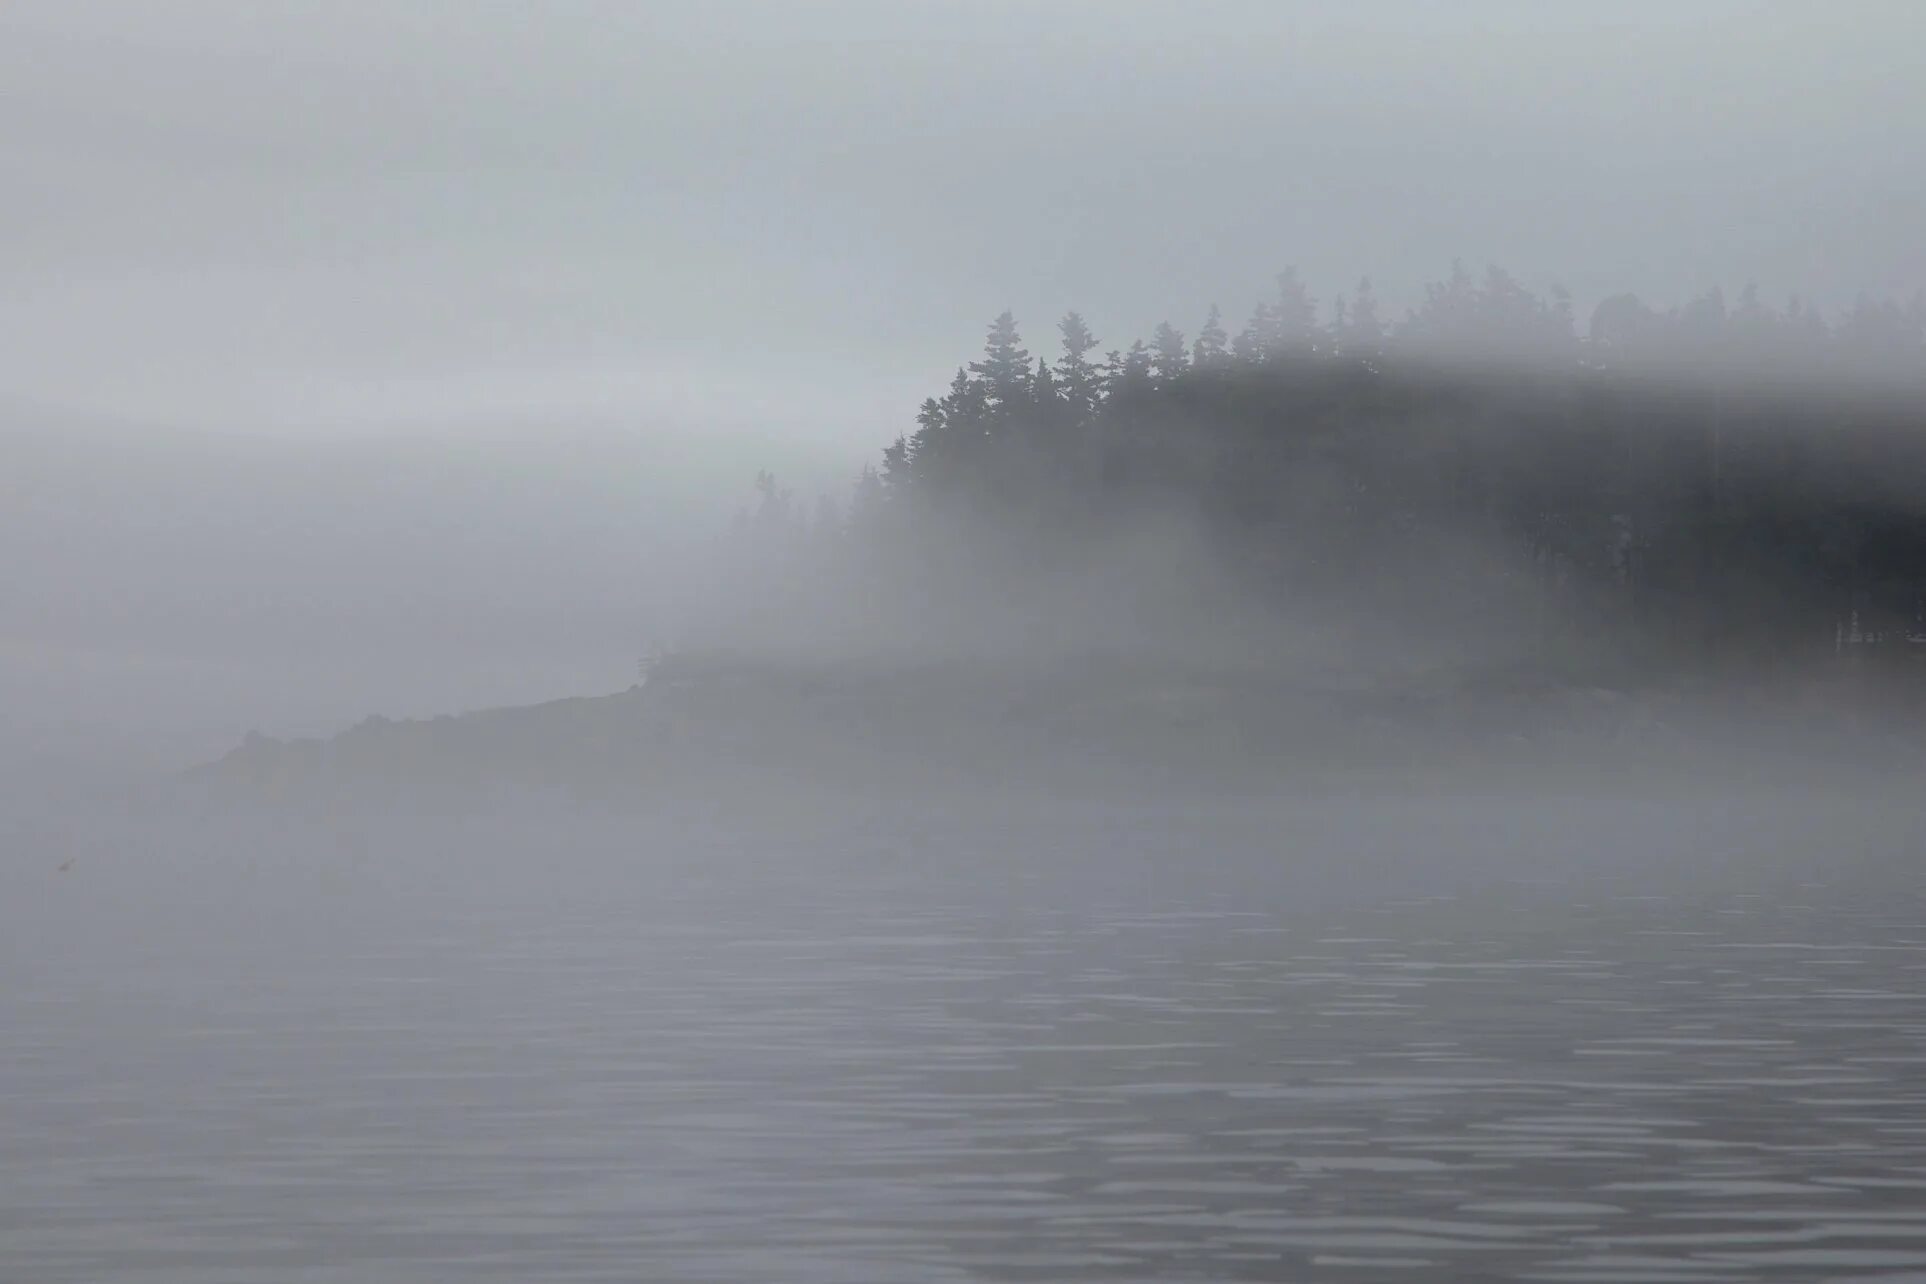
[977,1054]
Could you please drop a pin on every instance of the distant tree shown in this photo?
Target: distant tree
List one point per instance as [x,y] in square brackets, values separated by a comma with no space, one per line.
[1509,317]
[1135,369]
[1258,341]
[1077,376]
[1717,510]
[1623,328]
[1363,333]
[899,460]
[1168,356]
[1005,367]
[1805,329]
[1294,315]
[775,511]
[1043,386]
[1881,333]
[1451,314]
[1701,323]
[1212,349]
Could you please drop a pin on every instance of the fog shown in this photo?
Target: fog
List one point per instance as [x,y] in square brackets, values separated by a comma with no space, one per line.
[174,588]
[377,213]
[897,641]
[745,235]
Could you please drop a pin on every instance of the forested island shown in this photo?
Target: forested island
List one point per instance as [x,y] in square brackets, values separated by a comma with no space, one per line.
[1322,539]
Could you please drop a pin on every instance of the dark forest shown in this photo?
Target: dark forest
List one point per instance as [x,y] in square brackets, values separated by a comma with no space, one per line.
[1730,485]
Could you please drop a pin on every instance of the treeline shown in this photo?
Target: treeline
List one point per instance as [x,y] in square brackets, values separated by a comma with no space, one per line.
[1721,480]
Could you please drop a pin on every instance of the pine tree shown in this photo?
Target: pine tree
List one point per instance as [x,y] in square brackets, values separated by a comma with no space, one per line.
[1077,376]
[1127,371]
[901,457]
[1005,367]
[947,432]
[1211,351]
[1168,356]
[1294,316]
[1043,387]
[1257,342]
[966,411]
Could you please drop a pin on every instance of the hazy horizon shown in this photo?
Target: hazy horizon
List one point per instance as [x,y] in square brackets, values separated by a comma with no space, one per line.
[819,724]
[556,283]
[380,216]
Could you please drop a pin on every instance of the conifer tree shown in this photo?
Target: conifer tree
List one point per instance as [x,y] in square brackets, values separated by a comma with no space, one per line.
[1257,341]
[1005,367]
[1364,333]
[1168,356]
[1078,377]
[1294,315]
[1127,371]
[1211,351]
[1044,392]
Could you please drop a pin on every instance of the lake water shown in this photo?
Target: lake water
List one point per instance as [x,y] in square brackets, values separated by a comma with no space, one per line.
[981,1052]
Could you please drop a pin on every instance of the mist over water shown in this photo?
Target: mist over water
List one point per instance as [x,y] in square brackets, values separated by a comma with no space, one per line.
[599,680]
[1482,1037]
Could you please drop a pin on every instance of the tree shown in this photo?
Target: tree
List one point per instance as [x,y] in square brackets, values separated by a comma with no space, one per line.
[1880,334]
[1043,385]
[1294,315]
[903,463]
[1127,371]
[1450,316]
[1168,356]
[1623,329]
[1211,351]
[948,432]
[1005,367]
[1257,342]
[1362,334]
[775,514]
[1689,507]
[871,492]
[1077,376]
[1701,323]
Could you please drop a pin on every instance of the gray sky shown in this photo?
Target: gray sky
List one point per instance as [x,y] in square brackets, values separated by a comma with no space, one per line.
[790,217]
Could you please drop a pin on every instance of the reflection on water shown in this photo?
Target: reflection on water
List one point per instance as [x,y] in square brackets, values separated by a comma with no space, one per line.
[887,1076]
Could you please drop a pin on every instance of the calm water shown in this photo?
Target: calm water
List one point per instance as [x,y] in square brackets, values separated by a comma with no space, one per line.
[937,1058]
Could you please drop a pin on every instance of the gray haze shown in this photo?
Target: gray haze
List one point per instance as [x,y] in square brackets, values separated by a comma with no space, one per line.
[380,213]
[1061,913]
[513,300]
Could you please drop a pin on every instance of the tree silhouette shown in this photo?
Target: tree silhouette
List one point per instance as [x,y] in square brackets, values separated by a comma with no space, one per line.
[1684,477]
[1078,377]
[1212,349]
[1005,367]
[1168,356]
